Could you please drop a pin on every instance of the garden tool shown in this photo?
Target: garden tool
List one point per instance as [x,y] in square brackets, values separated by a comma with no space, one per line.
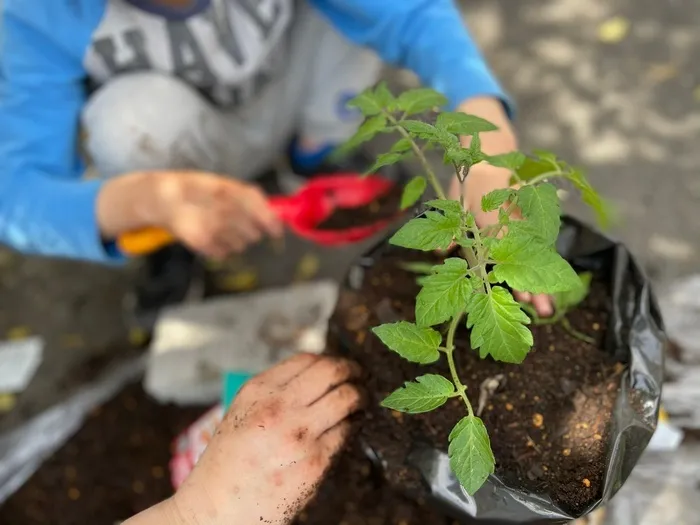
[302,212]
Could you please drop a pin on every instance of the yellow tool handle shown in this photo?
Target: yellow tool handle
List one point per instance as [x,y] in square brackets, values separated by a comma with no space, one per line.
[144,241]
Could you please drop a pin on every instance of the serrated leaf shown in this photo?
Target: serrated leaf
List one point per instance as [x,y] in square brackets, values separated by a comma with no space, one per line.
[435,231]
[498,326]
[450,207]
[444,294]
[603,210]
[533,167]
[459,156]
[429,392]
[415,344]
[541,207]
[475,148]
[429,132]
[366,132]
[413,191]
[512,160]
[471,457]
[385,97]
[463,124]
[419,100]
[417,267]
[367,102]
[495,199]
[529,265]
[565,301]
[385,159]
[402,145]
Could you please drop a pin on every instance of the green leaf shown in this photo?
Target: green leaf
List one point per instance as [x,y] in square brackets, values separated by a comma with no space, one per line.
[444,294]
[385,159]
[413,191]
[565,301]
[427,393]
[366,132]
[420,100]
[459,156]
[367,102]
[540,206]
[471,458]
[384,97]
[512,161]
[495,199]
[498,326]
[402,145]
[529,265]
[428,132]
[417,267]
[532,168]
[450,207]
[418,345]
[475,149]
[463,124]
[603,210]
[432,232]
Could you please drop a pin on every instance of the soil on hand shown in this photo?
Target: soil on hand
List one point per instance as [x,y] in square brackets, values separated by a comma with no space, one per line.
[117,466]
[548,420]
[385,207]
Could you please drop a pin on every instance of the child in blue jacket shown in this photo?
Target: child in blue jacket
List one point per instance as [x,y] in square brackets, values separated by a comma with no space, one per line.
[169,95]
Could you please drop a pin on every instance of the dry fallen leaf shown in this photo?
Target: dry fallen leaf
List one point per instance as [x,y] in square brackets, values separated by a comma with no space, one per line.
[307,268]
[18,332]
[613,30]
[240,281]
[7,402]
[137,336]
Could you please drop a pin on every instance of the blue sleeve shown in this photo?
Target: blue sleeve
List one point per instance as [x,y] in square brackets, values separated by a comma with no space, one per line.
[425,36]
[45,207]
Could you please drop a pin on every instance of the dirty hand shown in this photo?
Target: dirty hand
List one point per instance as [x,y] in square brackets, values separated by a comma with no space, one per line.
[273,446]
[484,178]
[210,214]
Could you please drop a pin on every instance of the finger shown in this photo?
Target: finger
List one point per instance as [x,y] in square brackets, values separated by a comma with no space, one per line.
[238,232]
[321,377]
[260,211]
[333,408]
[523,297]
[543,305]
[282,373]
[333,440]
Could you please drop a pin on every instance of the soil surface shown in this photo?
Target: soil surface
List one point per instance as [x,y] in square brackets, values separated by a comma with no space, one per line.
[117,465]
[548,420]
[385,207]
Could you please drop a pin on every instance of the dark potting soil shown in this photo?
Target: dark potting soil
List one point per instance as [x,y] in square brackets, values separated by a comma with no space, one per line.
[387,206]
[117,465]
[549,419]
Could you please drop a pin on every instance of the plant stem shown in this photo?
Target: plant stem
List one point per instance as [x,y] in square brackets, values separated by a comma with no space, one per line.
[434,182]
[575,333]
[449,350]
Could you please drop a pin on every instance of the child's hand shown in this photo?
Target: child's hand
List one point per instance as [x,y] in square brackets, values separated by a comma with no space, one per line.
[274,445]
[484,178]
[212,215]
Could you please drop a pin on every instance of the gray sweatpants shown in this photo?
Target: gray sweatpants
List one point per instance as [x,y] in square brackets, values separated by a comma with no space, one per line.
[148,120]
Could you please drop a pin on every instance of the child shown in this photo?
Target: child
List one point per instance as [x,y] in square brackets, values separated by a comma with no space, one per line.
[169,95]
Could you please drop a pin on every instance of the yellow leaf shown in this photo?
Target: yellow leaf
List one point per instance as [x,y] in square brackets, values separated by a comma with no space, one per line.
[137,336]
[663,415]
[18,332]
[613,30]
[240,281]
[7,402]
[307,267]
[72,341]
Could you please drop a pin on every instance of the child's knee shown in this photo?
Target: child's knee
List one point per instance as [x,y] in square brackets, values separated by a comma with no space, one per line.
[135,122]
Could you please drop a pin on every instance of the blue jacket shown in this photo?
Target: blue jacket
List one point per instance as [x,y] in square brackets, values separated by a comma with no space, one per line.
[46,207]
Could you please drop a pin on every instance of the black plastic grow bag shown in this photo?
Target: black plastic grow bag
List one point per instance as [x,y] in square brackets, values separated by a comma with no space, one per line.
[635,336]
